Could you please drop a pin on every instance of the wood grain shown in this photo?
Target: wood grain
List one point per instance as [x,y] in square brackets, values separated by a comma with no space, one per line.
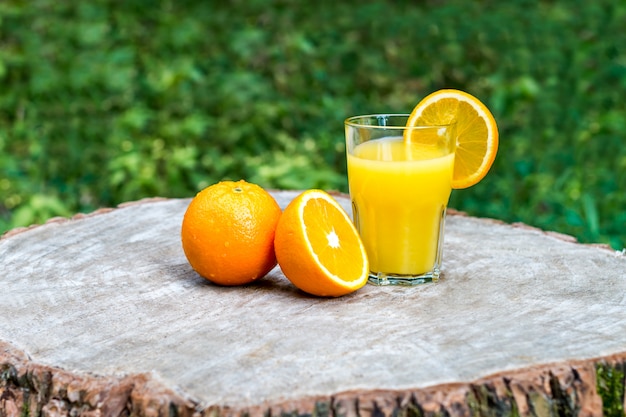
[102,315]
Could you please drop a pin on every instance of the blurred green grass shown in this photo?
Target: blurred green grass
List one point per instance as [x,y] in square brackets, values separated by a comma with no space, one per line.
[105,101]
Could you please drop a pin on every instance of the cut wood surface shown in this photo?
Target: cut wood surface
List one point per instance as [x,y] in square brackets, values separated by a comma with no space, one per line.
[102,315]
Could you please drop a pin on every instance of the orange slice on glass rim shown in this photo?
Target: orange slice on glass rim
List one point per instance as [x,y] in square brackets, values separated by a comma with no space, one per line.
[318,248]
[476,132]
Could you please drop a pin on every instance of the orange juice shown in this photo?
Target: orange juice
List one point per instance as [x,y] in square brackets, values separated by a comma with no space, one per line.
[399,194]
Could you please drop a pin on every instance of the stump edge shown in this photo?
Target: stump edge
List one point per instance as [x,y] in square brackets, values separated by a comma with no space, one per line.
[449,212]
[592,387]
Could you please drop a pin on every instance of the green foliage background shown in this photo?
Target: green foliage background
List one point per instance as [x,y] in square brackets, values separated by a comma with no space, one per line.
[105,101]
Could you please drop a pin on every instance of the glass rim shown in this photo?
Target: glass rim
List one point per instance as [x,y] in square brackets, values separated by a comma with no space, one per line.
[351,121]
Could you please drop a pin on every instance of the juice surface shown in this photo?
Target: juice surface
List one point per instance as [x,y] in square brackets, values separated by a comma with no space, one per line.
[399,193]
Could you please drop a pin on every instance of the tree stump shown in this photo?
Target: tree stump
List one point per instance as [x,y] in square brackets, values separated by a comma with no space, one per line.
[102,315]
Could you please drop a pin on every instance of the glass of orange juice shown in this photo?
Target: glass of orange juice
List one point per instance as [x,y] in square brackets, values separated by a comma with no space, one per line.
[400,180]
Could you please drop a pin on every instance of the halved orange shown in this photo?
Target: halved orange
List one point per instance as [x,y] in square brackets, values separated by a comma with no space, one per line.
[476,130]
[318,248]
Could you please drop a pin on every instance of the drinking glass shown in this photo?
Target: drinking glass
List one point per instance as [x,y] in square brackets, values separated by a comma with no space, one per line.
[400,182]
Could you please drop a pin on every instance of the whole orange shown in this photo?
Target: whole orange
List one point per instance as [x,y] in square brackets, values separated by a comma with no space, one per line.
[228,232]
